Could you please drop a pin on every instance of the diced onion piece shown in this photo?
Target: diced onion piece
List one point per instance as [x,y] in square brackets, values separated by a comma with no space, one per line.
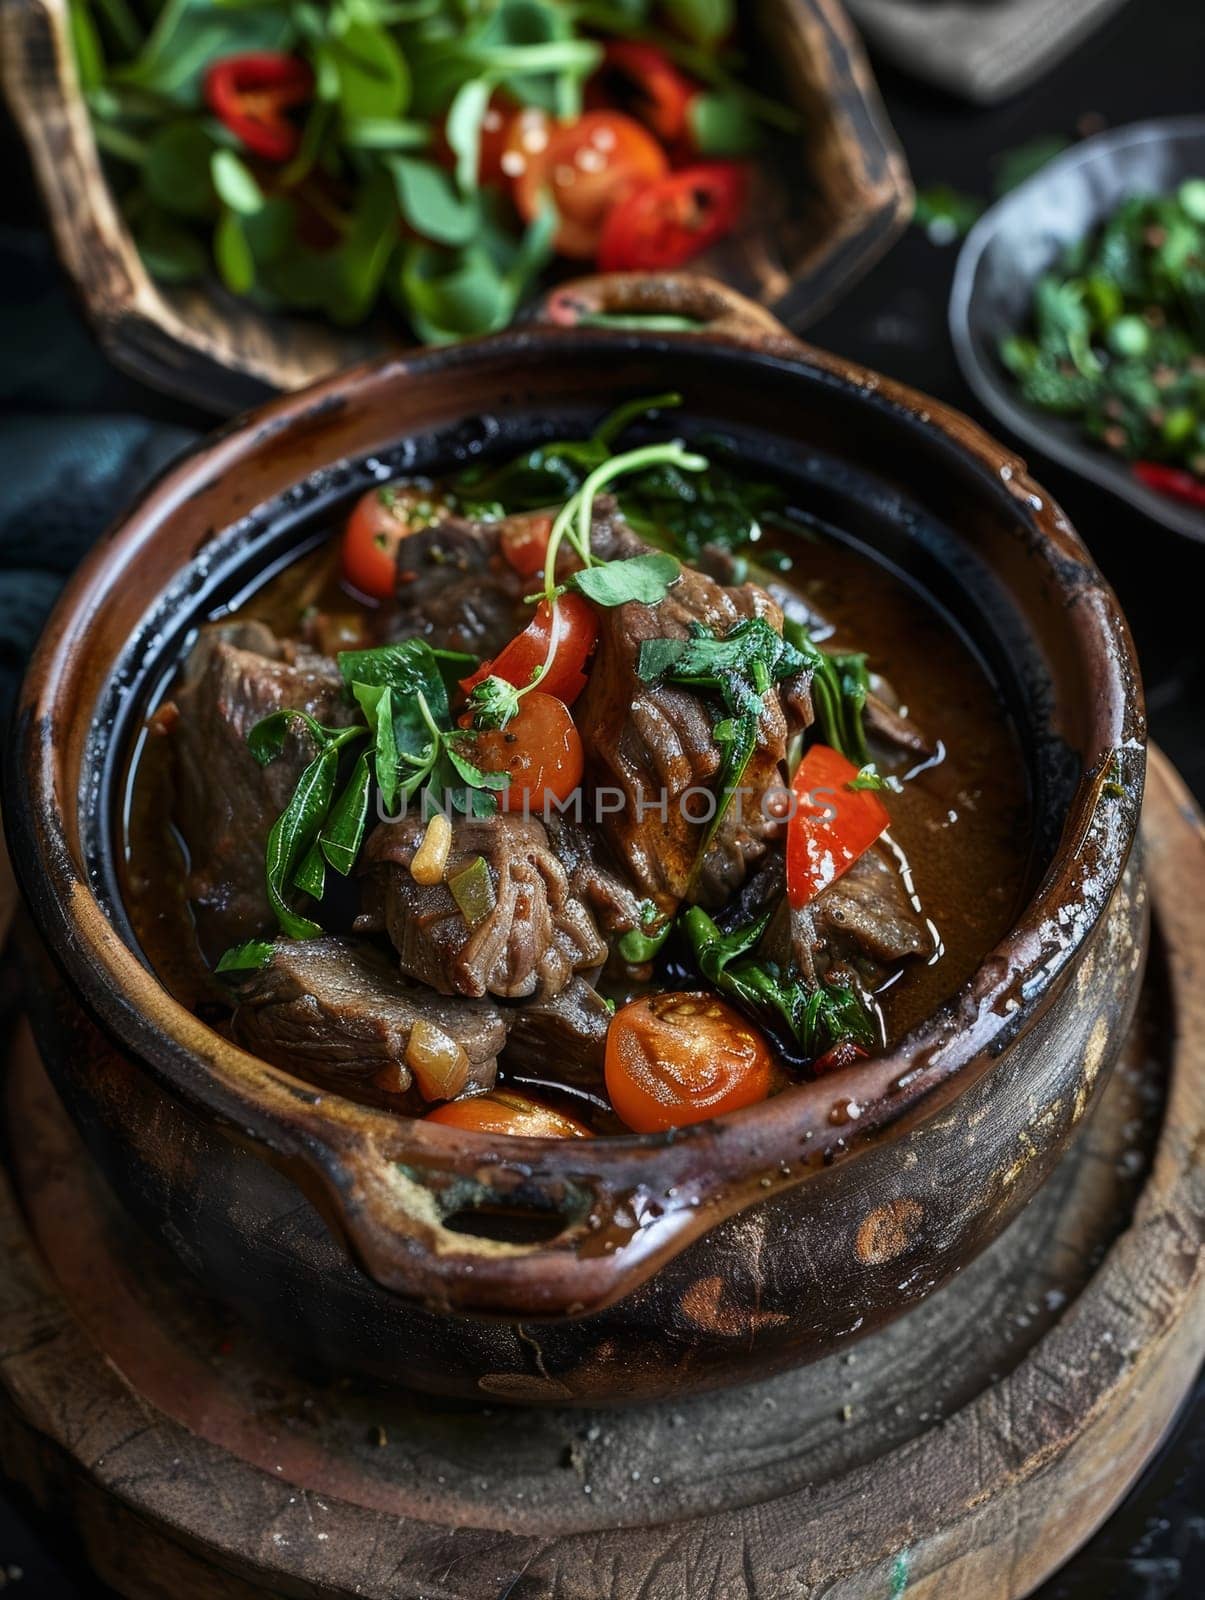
[431,857]
[439,1064]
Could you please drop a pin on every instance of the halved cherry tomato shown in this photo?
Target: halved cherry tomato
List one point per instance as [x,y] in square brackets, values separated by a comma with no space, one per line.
[559,639]
[641,79]
[666,223]
[541,750]
[502,1111]
[587,166]
[679,1058]
[379,522]
[524,541]
[252,94]
[831,824]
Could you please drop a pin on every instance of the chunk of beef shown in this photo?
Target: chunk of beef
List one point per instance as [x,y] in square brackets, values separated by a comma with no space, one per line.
[456,590]
[654,743]
[864,923]
[225,802]
[565,1037]
[538,934]
[336,1012]
[593,875]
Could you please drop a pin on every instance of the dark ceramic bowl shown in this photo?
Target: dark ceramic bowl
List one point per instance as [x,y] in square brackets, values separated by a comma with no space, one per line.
[642,1265]
[1018,239]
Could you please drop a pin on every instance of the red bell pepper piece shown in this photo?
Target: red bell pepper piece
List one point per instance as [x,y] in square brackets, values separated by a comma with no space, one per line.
[251,95]
[831,825]
[1174,481]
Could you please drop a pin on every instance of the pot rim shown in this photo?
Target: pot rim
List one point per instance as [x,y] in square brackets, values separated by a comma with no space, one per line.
[698,1174]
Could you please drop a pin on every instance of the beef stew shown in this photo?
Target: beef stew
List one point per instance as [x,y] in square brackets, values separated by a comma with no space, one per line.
[602,781]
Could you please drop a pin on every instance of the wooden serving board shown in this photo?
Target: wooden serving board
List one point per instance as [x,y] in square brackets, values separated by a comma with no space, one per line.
[962,1454]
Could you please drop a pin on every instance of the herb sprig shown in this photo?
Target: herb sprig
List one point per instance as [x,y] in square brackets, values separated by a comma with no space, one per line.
[817,1017]
[740,668]
[401,692]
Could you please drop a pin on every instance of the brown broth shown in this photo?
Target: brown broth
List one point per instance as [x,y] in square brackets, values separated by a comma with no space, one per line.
[962,822]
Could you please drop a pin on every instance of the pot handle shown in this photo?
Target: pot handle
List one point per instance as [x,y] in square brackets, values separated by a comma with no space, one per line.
[504,1229]
[642,300]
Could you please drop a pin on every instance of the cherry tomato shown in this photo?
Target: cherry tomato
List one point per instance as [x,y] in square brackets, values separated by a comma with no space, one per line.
[668,222]
[559,639]
[587,166]
[379,522]
[642,80]
[501,1111]
[252,95]
[524,541]
[679,1058]
[831,825]
[540,748]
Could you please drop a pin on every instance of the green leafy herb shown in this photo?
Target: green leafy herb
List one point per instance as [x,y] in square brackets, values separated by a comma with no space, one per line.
[817,1017]
[249,957]
[740,668]
[614,583]
[946,214]
[362,211]
[840,684]
[1116,333]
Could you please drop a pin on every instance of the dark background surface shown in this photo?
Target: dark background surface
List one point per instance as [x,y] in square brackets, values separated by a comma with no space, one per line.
[1149,60]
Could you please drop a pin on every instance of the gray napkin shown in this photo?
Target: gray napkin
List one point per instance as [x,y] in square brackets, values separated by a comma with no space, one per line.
[981,50]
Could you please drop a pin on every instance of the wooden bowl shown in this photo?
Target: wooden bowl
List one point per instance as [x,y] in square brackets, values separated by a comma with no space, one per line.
[849,198]
[676,1262]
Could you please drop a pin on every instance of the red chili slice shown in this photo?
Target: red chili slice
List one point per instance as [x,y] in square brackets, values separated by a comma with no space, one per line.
[831,825]
[667,222]
[641,80]
[1174,481]
[252,95]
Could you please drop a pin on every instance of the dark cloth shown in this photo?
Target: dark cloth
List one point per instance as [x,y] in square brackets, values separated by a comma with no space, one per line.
[62,479]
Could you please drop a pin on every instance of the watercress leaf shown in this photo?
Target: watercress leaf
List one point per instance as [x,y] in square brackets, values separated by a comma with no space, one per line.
[343,832]
[645,579]
[430,202]
[704,22]
[373,77]
[463,130]
[234,182]
[188,35]
[357,269]
[454,294]
[177,169]
[723,124]
[233,254]
[248,957]
[385,133]
[169,251]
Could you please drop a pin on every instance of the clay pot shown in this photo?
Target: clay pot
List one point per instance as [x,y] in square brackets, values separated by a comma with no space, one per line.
[632,1267]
